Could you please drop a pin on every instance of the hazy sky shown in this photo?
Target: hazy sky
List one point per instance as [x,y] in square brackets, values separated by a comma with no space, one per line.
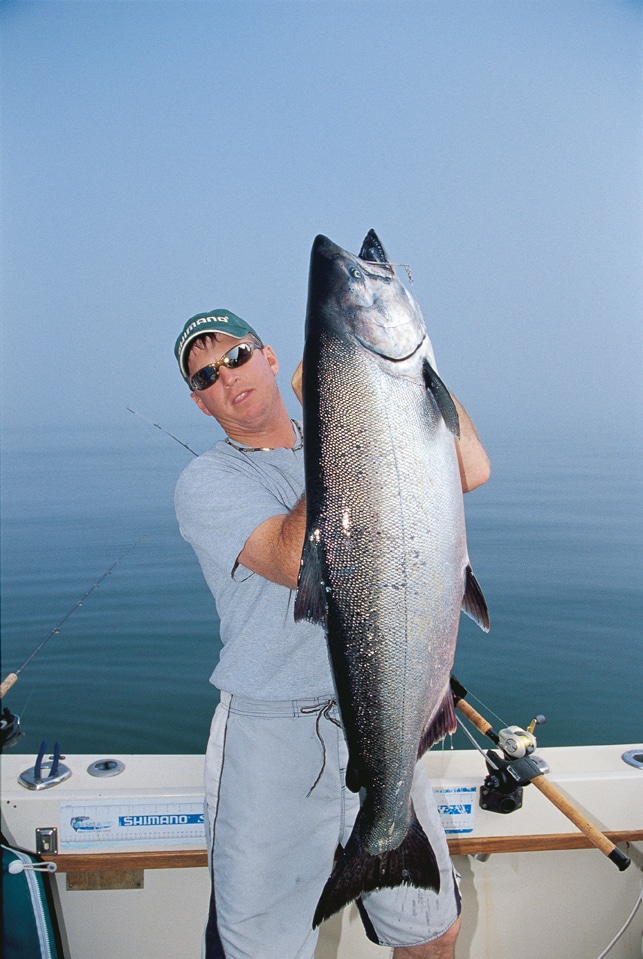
[161,158]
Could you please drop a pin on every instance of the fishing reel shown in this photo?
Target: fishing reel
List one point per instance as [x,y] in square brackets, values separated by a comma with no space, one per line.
[508,773]
[10,731]
[517,767]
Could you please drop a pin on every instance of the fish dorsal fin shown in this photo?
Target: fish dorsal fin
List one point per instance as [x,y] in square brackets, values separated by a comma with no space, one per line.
[372,248]
[442,397]
[310,602]
[474,603]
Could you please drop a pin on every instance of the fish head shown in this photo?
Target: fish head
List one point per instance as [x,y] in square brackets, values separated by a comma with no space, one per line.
[361,296]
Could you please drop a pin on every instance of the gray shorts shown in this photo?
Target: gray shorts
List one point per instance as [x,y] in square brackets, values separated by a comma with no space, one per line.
[272,836]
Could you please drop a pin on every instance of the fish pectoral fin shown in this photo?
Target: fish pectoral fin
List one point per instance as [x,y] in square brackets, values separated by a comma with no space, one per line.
[413,862]
[442,397]
[473,603]
[442,724]
[310,602]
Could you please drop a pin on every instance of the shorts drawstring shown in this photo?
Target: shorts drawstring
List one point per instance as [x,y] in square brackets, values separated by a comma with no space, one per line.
[322,709]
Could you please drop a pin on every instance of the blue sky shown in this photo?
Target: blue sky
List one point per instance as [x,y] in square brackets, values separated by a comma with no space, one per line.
[164,158]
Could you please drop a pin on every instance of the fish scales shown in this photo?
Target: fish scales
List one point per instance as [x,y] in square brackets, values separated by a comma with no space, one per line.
[386,535]
[385,559]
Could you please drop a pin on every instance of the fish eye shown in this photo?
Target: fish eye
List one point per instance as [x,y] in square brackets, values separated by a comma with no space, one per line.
[356,273]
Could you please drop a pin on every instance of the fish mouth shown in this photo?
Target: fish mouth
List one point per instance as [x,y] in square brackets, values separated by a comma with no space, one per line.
[387,356]
[323,246]
[326,248]
[364,299]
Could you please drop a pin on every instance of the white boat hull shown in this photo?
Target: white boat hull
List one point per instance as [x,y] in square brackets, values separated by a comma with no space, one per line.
[148,897]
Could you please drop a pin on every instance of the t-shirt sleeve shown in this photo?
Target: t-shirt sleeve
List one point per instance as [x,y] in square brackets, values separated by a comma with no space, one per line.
[218,504]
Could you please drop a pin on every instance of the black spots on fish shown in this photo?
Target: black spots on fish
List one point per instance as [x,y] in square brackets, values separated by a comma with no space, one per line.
[372,248]
[474,604]
[412,862]
[442,398]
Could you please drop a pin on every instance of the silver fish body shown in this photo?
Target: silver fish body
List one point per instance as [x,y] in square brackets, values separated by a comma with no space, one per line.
[385,565]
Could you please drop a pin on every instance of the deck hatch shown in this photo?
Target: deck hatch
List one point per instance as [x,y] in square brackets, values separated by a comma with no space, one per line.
[634,757]
[106,767]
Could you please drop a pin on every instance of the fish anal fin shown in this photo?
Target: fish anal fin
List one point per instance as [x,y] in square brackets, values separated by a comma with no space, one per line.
[474,603]
[413,863]
[310,602]
[442,397]
[353,781]
[442,724]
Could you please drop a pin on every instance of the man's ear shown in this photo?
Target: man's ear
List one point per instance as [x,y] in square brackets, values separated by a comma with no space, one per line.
[273,362]
[199,402]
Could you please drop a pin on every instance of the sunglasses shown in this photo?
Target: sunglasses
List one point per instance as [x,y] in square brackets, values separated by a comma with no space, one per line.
[235,357]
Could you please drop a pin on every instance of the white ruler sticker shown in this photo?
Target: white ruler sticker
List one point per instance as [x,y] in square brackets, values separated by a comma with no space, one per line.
[163,822]
[456,805]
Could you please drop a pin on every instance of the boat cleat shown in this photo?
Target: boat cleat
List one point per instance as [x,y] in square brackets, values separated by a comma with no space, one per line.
[56,771]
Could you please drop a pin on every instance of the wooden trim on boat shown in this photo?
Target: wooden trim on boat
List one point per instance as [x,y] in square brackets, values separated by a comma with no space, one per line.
[481,845]
[458,846]
[108,861]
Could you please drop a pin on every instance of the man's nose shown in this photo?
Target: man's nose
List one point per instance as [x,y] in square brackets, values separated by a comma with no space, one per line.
[227,375]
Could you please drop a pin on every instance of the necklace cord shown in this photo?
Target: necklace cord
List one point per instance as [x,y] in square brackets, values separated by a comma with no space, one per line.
[269,449]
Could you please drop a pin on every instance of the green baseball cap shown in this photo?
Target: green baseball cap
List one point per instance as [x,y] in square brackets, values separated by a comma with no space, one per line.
[216,321]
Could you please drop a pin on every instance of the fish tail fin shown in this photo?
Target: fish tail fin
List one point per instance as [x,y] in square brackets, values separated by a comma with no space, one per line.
[356,872]
[443,723]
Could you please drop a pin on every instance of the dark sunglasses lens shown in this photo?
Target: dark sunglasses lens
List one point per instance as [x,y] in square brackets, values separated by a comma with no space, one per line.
[238,355]
[204,378]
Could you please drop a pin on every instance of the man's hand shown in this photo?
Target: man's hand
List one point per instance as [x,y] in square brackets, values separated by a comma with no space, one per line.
[296,383]
[473,461]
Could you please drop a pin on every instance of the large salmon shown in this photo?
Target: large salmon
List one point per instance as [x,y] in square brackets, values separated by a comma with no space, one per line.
[384,566]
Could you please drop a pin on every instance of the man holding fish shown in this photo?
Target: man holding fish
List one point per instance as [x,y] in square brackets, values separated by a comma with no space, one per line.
[327,700]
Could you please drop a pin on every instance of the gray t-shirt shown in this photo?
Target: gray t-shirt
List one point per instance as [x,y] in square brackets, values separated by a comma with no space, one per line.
[220,498]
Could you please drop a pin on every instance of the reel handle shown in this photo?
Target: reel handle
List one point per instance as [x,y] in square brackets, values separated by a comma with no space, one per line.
[588,829]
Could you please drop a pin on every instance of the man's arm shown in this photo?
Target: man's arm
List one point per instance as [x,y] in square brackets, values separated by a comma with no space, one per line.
[273,549]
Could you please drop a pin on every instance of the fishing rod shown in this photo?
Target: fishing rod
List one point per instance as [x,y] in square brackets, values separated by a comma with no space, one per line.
[163,430]
[12,678]
[517,767]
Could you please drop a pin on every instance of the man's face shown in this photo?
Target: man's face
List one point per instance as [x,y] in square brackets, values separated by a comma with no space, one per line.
[242,397]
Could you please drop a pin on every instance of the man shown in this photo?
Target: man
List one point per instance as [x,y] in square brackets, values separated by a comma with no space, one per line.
[276,759]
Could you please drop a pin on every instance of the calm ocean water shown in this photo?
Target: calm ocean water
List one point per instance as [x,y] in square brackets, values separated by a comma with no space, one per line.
[555,541]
